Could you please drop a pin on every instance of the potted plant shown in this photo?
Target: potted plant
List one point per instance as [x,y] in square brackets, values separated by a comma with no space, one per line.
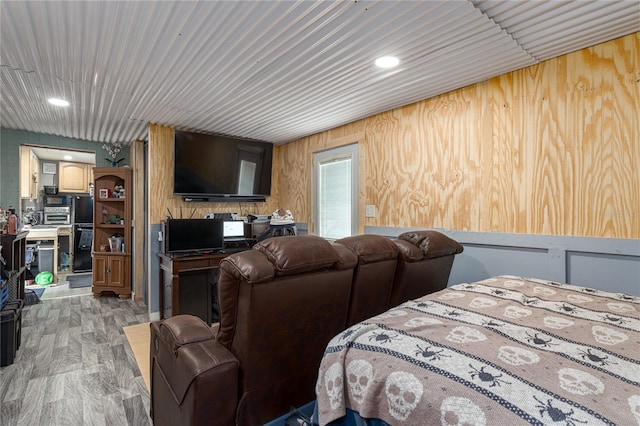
[113,149]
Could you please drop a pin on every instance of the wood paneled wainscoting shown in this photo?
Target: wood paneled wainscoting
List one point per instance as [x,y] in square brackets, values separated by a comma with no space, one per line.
[609,264]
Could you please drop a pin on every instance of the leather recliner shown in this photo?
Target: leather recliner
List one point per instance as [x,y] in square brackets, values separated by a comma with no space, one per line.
[373,277]
[280,304]
[424,264]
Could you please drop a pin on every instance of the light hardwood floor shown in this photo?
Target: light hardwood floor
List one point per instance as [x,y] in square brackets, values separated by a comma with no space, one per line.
[138,336]
[75,366]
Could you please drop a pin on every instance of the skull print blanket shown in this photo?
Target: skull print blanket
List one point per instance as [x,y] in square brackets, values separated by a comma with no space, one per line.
[506,350]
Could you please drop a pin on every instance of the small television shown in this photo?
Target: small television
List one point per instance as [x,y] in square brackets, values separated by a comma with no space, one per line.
[193,235]
[233,229]
[221,168]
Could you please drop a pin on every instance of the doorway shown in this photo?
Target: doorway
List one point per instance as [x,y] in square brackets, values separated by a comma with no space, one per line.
[47,194]
[335,191]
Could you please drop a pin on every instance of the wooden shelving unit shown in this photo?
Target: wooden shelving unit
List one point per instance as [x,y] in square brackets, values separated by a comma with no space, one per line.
[112,219]
[14,254]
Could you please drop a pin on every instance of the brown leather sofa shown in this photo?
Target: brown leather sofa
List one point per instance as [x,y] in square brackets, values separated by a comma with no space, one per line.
[424,264]
[280,304]
[373,277]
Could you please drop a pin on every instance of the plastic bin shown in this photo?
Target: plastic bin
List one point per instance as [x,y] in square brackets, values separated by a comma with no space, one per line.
[115,244]
[16,306]
[45,257]
[8,342]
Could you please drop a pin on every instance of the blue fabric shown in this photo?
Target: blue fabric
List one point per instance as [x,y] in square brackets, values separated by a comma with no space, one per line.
[352,418]
[306,410]
[32,296]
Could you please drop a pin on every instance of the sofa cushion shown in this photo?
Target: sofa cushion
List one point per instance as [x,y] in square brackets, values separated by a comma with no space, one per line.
[347,259]
[297,254]
[251,266]
[370,248]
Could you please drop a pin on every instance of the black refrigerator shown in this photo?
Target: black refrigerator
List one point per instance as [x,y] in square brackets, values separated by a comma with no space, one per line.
[82,216]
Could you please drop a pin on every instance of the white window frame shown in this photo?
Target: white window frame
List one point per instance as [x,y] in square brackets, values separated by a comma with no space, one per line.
[345,152]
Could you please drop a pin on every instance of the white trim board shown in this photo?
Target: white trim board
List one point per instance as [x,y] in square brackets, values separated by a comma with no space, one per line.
[603,263]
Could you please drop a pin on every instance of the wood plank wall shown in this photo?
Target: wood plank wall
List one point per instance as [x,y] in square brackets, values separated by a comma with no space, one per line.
[161,198]
[136,154]
[550,149]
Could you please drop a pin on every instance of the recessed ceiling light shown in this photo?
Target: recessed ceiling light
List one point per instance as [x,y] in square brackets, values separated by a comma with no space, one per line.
[387,62]
[58,102]
[68,157]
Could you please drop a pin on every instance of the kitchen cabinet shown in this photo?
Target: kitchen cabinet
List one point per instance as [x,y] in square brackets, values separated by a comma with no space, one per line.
[73,177]
[112,222]
[29,173]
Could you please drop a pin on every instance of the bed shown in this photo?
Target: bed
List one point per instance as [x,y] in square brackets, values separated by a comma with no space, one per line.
[505,350]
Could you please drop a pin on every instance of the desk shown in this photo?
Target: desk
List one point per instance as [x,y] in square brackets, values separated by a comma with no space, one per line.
[186,280]
[185,284]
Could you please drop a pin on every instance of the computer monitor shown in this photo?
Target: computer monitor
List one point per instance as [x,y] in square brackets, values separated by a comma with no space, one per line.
[193,235]
[233,229]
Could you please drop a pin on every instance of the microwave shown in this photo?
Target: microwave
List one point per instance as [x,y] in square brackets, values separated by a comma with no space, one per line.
[57,215]
[57,201]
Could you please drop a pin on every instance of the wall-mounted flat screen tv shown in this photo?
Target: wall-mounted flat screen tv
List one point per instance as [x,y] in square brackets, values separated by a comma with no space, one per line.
[221,168]
[194,235]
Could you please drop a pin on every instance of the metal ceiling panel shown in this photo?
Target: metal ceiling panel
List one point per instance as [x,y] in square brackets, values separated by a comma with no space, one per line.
[547,29]
[268,70]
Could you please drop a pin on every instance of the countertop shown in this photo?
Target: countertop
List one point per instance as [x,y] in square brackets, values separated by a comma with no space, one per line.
[29,228]
[46,233]
[43,233]
[36,232]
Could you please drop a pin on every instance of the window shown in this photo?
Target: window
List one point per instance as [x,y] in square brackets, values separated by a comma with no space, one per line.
[336,192]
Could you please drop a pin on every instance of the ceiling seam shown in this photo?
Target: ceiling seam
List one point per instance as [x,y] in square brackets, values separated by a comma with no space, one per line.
[506,31]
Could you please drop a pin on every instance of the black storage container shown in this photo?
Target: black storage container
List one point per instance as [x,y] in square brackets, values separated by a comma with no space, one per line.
[17,305]
[10,331]
[7,337]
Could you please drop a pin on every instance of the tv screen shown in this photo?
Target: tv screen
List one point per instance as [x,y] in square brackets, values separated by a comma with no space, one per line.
[194,235]
[221,166]
[233,229]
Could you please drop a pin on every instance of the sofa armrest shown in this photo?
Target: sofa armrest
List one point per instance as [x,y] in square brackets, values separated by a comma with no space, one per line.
[181,330]
[432,243]
[193,377]
[408,252]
